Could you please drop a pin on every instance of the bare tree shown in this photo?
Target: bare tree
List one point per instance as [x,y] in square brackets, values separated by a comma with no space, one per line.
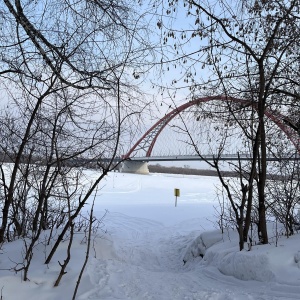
[283,197]
[239,49]
[69,72]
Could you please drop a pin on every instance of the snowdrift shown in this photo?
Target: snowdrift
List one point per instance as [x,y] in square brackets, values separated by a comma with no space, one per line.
[265,263]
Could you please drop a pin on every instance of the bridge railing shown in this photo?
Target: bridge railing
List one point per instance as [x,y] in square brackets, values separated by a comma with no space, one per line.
[210,157]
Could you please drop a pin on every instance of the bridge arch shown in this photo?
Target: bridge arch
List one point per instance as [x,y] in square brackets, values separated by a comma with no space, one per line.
[148,140]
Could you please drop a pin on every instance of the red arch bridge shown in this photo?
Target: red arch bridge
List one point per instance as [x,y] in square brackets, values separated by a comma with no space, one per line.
[134,163]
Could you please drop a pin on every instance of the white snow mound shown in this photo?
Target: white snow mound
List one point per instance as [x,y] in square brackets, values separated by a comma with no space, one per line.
[221,251]
[246,267]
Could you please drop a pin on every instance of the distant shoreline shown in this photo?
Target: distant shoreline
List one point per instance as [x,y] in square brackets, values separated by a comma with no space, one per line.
[202,172]
[189,171]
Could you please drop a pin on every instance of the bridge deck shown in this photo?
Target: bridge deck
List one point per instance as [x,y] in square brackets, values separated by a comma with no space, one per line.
[225,157]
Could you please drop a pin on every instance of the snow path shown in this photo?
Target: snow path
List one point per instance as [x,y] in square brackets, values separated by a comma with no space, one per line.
[142,259]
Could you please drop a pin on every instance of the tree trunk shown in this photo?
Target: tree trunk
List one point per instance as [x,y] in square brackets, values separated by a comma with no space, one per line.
[262,226]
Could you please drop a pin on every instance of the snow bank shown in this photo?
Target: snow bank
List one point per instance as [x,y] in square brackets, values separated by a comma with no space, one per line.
[246,267]
[221,251]
[199,246]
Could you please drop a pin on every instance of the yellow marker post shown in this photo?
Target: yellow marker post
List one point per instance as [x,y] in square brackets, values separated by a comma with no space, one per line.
[176,194]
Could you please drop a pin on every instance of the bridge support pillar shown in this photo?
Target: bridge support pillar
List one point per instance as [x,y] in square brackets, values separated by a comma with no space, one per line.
[137,167]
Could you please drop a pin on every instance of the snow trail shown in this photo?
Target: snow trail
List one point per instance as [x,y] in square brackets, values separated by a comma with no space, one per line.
[143,260]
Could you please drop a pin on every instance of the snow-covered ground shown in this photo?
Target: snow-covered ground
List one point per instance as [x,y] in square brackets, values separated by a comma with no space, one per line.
[151,250]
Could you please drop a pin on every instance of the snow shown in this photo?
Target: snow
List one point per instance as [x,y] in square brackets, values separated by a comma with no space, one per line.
[149,249]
